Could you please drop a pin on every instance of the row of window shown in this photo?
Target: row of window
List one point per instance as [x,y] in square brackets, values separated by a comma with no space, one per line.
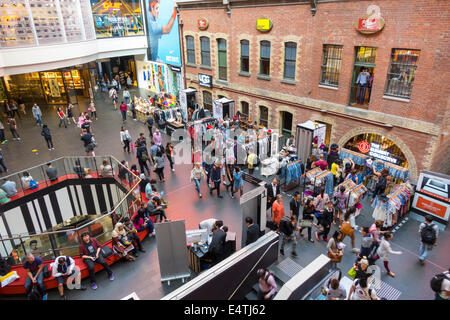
[400,76]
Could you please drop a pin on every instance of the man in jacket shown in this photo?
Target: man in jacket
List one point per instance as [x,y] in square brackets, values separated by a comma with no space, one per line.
[37,114]
[216,177]
[272,191]
[91,253]
[62,268]
[142,156]
[216,247]
[287,228]
[150,124]
[277,210]
[252,231]
[428,237]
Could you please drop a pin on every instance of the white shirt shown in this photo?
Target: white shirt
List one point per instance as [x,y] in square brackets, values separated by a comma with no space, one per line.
[208,224]
[55,272]
[363,294]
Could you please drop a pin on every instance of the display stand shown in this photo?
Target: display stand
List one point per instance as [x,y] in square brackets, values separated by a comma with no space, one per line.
[172,255]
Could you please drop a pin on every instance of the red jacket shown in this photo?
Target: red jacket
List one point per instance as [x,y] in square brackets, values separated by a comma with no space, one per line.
[123,107]
[83,249]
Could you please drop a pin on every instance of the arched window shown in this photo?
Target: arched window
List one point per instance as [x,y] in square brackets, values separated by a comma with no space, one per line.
[264,116]
[245,108]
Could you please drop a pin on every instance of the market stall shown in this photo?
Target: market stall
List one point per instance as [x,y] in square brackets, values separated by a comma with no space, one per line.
[223,108]
[306,133]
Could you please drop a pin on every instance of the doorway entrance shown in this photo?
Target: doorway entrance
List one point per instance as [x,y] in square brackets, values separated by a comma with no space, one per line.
[363,75]
[286,126]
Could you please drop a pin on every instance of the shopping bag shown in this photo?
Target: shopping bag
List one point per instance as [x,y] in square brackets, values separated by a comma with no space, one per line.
[352,273]
[132,146]
[305,223]
[8,278]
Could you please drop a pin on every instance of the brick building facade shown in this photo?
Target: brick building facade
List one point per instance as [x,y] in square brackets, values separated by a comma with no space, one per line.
[416,122]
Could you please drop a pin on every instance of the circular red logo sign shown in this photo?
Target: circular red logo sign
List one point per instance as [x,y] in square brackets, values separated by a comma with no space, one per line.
[363,146]
[203,23]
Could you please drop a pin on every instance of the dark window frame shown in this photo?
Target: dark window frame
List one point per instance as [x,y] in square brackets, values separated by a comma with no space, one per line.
[397,83]
[264,59]
[190,52]
[222,74]
[205,52]
[262,121]
[336,61]
[245,59]
[290,61]
[207,104]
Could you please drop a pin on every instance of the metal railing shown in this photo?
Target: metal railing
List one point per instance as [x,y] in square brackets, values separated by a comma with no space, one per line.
[16,242]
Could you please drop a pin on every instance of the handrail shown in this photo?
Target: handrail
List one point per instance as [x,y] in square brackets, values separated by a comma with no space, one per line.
[113,210]
[328,276]
[259,260]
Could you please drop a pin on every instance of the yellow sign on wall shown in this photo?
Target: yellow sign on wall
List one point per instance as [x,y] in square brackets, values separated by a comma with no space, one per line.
[264,25]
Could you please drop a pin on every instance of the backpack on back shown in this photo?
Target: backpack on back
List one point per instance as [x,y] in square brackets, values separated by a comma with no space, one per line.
[428,234]
[436,281]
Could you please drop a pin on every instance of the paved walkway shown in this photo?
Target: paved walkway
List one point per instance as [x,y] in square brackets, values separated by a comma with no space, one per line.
[143,276]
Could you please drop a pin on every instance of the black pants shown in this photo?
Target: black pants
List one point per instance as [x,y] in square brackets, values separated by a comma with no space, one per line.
[91,266]
[135,239]
[325,232]
[216,187]
[15,111]
[170,162]
[150,129]
[49,142]
[134,113]
[126,145]
[14,133]
[142,165]
[2,135]
[161,213]
[160,173]
[93,113]
[3,165]
[309,232]
[262,294]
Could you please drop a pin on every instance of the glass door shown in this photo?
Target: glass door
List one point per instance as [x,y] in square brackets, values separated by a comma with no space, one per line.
[363,75]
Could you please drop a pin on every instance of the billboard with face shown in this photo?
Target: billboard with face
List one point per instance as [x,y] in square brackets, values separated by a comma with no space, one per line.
[162,32]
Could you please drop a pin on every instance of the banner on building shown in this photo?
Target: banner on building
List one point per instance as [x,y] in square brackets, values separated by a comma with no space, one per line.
[153,76]
[162,32]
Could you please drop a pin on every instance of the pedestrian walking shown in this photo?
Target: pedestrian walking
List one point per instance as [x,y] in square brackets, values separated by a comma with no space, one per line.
[87,125]
[13,128]
[266,284]
[14,109]
[81,119]
[428,237]
[142,156]
[159,167]
[149,124]
[37,114]
[238,181]
[62,118]
[307,218]
[21,104]
[2,164]
[349,225]
[340,204]
[385,250]
[196,175]
[125,139]
[2,133]
[169,153]
[133,110]
[123,110]
[157,138]
[47,136]
[215,177]
[93,110]
[287,228]
[335,249]
[126,95]
[440,284]
[325,222]
[89,142]
[69,112]
[113,95]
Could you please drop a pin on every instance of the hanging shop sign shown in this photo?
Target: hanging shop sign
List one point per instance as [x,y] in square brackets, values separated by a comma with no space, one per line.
[203,23]
[264,25]
[363,146]
[370,23]
[205,80]
[176,69]
[376,152]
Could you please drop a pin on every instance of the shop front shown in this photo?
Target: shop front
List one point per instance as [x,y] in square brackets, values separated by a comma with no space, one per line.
[51,87]
[117,68]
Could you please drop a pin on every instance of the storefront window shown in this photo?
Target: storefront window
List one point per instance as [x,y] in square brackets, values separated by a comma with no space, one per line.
[53,85]
[331,65]
[401,72]
[28,86]
[378,147]
[114,18]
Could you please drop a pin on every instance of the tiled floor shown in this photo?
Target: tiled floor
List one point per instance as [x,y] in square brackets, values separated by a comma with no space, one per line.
[143,276]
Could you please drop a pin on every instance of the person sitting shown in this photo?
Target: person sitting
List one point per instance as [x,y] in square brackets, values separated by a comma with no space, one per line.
[52,174]
[33,267]
[91,253]
[143,183]
[335,290]
[132,235]
[79,170]
[123,170]
[26,179]
[267,285]
[141,222]
[154,208]
[106,169]
[4,197]
[9,187]
[63,268]
[121,244]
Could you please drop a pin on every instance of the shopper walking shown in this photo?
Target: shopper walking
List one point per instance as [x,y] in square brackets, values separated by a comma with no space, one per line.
[123,110]
[325,222]
[14,109]
[277,210]
[81,119]
[47,136]
[159,169]
[2,133]
[169,153]
[133,110]
[150,124]
[37,114]
[157,138]
[428,237]
[307,219]
[340,204]
[126,95]
[142,156]
[62,118]
[385,250]
[13,128]
[216,177]
[348,226]
[93,110]
[89,142]
[21,104]
[125,139]
[335,249]
[238,181]
[287,228]
[196,175]
[69,112]
[113,95]
[2,164]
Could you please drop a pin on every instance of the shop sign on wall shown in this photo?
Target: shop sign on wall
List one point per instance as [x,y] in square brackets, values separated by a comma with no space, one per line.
[264,25]
[203,23]
[370,23]
[205,80]
[376,152]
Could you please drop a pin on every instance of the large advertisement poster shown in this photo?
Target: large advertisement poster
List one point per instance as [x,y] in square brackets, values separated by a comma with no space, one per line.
[163,35]
[153,76]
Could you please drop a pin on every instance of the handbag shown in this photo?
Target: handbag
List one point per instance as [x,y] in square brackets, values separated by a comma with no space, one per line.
[46,272]
[33,184]
[305,223]
[334,257]
[352,273]
[106,252]
[346,228]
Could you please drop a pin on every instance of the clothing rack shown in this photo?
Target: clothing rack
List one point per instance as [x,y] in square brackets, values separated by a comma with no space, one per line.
[285,169]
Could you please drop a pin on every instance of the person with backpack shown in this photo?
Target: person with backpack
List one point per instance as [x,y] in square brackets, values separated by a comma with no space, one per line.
[62,268]
[142,156]
[47,136]
[361,291]
[440,284]
[267,285]
[149,123]
[287,228]
[428,237]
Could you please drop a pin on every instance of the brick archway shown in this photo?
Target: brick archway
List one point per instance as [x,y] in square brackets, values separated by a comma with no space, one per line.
[383,132]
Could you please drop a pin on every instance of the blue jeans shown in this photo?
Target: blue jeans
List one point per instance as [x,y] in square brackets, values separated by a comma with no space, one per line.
[40,281]
[38,120]
[148,225]
[424,250]
[361,94]
[197,185]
